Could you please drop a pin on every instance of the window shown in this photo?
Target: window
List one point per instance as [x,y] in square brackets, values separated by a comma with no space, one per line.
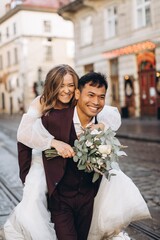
[15,56]
[86,31]
[8,59]
[17,82]
[114,81]
[14,29]
[89,68]
[1,62]
[3,101]
[114,67]
[7,32]
[48,53]
[47,26]
[143,12]
[110,18]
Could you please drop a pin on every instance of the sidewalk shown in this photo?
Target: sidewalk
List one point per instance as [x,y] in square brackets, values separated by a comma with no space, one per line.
[140,129]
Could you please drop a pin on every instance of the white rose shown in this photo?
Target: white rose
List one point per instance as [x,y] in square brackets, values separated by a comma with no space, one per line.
[88,143]
[105,149]
[95,132]
[100,162]
[96,139]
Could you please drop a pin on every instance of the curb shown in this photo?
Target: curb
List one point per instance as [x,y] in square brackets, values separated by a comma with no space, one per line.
[138,138]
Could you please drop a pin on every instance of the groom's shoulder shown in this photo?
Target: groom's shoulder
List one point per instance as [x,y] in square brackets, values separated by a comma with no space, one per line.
[110,109]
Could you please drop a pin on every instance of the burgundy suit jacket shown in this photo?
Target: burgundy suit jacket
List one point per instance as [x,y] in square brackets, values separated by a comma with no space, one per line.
[58,123]
[24,160]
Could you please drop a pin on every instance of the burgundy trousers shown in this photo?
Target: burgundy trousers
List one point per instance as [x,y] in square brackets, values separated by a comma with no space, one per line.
[72,215]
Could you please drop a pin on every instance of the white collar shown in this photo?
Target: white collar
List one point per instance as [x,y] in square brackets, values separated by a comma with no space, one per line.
[77,121]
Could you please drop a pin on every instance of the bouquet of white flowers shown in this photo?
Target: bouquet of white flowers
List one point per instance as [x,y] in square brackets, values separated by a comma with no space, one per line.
[96,151]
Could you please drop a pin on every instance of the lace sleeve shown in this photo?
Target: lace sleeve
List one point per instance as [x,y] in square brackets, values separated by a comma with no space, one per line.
[31,131]
[110,117]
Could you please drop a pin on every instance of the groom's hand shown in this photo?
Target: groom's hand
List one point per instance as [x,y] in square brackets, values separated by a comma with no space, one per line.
[63,149]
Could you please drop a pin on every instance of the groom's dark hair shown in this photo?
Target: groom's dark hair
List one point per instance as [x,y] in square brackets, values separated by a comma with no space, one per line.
[94,79]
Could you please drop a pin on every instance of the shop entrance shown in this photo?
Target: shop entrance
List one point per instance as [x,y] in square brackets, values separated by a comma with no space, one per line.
[148,93]
[147,82]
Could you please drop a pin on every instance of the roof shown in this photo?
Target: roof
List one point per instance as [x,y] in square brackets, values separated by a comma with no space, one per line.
[72,6]
[45,4]
[33,5]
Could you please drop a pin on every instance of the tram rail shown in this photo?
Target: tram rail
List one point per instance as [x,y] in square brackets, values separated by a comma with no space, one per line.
[10,193]
[145,230]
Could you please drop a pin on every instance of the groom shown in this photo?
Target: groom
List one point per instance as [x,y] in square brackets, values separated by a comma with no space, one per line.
[71,192]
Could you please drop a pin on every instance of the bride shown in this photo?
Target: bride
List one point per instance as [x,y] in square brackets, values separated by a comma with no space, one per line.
[30,220]
[118,201]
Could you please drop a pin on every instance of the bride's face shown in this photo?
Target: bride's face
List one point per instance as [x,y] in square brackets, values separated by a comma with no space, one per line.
[66,91]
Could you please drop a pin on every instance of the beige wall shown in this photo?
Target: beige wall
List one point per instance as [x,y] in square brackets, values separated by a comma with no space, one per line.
[31,40]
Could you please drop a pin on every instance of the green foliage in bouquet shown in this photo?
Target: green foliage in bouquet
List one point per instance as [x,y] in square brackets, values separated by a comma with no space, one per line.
[96,151]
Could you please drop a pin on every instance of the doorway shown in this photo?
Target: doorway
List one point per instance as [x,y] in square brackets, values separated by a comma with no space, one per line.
[147,83]
[148,93]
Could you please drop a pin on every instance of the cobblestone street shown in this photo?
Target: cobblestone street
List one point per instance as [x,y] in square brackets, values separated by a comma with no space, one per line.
[142,165]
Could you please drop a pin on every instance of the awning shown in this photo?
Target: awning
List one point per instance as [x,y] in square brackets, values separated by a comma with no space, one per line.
[131,49]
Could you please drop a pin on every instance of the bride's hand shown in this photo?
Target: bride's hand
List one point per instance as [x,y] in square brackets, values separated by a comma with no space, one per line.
[63,149]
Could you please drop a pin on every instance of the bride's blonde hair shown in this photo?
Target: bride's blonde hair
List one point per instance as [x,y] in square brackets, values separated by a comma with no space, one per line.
[53,82]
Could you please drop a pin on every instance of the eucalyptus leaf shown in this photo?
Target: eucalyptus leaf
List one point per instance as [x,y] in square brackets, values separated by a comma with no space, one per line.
[108,165]
[121,153]
[90,157]
[110,175]
[81,167]
[79,154]
[116,141]
[82,138]
[115,165]
[95,177]
[92,151]
[75,158]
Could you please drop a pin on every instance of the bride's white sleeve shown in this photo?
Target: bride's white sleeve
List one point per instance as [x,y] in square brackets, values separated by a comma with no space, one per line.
[32,133]
[110,117]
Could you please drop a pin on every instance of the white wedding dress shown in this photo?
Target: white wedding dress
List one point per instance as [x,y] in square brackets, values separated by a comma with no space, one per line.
[30,220]
[118,201]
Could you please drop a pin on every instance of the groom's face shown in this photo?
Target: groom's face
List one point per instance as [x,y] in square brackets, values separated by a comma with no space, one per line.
[91,100]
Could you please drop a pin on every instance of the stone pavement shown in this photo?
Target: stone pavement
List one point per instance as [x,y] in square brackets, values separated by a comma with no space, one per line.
[9,174]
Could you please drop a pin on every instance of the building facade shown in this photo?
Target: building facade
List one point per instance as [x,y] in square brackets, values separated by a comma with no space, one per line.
[33,39]
[120,38]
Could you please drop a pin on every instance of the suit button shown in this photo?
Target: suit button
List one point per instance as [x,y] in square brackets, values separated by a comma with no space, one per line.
[56,183]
